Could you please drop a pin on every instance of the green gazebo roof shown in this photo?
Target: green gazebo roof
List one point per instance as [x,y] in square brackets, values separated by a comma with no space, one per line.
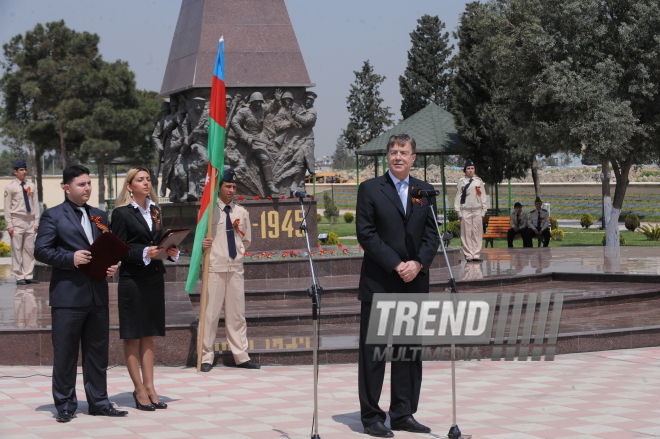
[432,127]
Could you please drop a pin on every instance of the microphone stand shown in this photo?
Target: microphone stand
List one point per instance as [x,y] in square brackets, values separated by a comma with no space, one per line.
[454,431]
[313,292]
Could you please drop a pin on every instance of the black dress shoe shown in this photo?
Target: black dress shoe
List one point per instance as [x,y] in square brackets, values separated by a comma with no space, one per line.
[21,282]
[143,407]
[206,367]
[158,405]
[31,281]
[378,430]
[64,416]
[477,260]
[469,260]
[249,364]
[409,424]
[112,412]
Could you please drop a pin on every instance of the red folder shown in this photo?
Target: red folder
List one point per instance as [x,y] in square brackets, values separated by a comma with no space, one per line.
[106,250]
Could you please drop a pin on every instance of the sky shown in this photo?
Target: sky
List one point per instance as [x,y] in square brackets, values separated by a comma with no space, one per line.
[335,38]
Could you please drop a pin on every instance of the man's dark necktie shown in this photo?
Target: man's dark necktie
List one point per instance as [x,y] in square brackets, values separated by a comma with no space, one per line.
[26,197]
[518,219]
[464,194]
[231,242]
[538,224]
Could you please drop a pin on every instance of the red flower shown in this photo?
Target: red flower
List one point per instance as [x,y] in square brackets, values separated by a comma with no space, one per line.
[332,252]
[284,255]
[339,245]
[282,197]
[241,198]
[268,198]
[318,245]
[345,250]
[312,197]
[257,197]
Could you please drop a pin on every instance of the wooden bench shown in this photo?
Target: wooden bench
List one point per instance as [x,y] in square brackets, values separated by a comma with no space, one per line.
[498,226]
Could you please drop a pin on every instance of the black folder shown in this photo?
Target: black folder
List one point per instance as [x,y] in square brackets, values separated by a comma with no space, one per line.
[171,238]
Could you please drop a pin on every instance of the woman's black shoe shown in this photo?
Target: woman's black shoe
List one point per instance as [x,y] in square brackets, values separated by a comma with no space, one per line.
[158,405]
[145,407]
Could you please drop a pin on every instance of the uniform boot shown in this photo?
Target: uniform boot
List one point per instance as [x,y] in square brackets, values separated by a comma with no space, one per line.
[268,175]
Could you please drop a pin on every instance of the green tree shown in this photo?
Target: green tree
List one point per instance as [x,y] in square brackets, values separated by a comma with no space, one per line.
[427,76]
[118,115]
[367,117]
[474,96]
[342,158]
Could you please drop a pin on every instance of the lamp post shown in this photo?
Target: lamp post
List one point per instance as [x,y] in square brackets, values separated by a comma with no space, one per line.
[602,178]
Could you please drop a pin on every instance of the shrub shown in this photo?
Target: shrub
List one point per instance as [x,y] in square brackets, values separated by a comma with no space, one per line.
[5,250]
[632,222]
[554,224]
[349,217]
[622,241]
[454,228]
[319,217]
[452,215]
[557,235]
[586,220]
[651,232]
[331,211]
[333,239]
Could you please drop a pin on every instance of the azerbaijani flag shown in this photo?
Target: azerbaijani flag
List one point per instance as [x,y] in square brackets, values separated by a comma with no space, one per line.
[216,152]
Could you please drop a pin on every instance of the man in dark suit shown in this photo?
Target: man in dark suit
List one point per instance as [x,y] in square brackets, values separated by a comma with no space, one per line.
[79,304]
[399,235]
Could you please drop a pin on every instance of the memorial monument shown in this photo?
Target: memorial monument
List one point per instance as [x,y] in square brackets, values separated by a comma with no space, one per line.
[270,112]
[270,116]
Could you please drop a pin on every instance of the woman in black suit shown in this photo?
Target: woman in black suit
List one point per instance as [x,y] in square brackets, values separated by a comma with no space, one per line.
[136,220]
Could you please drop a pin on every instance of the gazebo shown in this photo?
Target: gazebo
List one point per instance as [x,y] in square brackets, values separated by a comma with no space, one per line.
[435,134]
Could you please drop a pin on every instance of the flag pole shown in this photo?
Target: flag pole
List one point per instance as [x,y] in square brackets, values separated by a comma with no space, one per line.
[205,276]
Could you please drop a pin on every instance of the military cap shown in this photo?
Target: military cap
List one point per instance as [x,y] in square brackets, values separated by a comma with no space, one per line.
[256,96]
[287,95]
[468,163]
[538,200]
[517,205]
[311,94]
[230,176]
[20,164]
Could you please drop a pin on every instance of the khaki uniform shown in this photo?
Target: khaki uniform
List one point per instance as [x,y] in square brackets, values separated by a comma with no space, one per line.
[17,216]
[519,220]
[543,225]
[471,213]
[226,284]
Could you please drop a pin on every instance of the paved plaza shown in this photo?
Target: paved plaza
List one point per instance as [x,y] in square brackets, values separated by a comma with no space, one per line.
[611,394]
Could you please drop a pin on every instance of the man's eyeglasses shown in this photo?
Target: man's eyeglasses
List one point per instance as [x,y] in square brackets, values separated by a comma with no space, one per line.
[404,154]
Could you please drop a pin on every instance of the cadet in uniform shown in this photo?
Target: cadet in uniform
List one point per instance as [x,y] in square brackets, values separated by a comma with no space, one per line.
[471,206]
[519,224]
[231,237]
[539,223]
[22,218]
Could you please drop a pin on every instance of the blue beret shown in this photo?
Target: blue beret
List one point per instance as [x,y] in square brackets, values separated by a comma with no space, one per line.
[20,164]
[230,176]
[468,163]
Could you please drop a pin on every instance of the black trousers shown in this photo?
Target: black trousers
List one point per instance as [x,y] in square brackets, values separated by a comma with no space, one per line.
[87,327]
[525,234]
[406,379]
[545,234]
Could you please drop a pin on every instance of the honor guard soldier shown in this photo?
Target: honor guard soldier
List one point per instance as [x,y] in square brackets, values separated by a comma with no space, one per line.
[471,205]
[539,223]
[22,218]
[231,237]
[519,224]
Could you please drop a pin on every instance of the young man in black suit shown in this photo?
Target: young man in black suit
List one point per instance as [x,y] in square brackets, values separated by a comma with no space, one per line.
[398,232]
[79,304]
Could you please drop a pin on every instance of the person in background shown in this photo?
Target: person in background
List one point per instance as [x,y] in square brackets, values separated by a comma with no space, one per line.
[471,204]
[22,220]
[519,224]
[136,220]
[539,223]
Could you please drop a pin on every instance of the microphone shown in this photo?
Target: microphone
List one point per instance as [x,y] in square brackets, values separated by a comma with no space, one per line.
[300,194]
[419,193]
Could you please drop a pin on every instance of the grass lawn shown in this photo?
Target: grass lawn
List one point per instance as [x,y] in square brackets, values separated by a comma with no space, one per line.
[573,237]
